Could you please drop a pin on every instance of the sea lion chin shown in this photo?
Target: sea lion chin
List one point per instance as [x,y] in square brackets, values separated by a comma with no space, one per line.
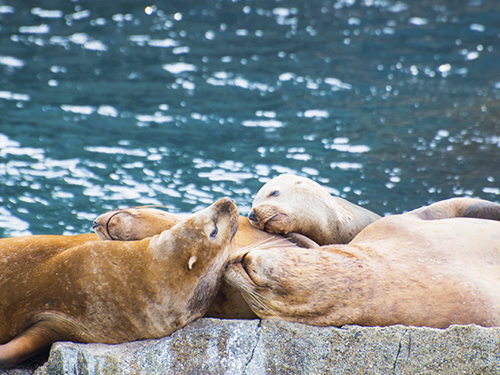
[86,290]
[433,267]
[290,203]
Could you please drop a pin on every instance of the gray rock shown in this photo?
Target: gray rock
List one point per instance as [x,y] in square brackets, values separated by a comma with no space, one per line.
[253,347]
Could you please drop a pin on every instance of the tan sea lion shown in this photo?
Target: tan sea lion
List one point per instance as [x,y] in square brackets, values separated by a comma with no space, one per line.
[427,267]
[63,288]
[139,223]
[135,223]
[290,203]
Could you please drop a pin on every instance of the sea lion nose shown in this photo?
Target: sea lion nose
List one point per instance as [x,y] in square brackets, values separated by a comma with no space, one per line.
[95,224]
[251,216]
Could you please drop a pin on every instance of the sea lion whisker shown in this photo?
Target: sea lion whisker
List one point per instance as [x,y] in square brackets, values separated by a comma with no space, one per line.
[268,243]
[241,204]
[258,298]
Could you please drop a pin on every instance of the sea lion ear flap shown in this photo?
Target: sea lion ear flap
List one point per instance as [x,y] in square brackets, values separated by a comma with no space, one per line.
[192,260]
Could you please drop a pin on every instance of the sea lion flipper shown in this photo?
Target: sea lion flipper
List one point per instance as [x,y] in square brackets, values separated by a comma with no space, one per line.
[301,241]
[30,342]
[483,210]
[48,327]
[459,207]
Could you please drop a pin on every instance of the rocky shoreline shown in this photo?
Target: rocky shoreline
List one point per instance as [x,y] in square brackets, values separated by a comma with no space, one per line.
[213,346]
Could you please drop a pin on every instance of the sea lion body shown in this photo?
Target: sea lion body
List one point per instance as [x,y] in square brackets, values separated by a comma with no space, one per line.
[139,223]
[290,203]
[408,269]
[66,288]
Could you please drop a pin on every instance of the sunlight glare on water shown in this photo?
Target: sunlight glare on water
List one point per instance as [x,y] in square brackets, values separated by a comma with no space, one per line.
[389,104]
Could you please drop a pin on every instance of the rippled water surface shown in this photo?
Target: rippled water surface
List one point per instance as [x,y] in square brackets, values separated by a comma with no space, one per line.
[390,104]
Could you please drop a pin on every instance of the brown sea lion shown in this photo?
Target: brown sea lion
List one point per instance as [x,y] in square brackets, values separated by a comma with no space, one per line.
[290,203]
[427,267]
[135,223]
[139,223]
[64,288]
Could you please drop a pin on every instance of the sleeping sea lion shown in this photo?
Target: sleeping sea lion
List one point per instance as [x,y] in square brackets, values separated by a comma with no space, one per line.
[427,267]
[66,288]
[139,223]
[290,203]
[135,223]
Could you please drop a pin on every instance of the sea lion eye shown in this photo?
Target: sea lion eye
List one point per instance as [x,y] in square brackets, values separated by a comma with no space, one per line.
[275,193]
[214,233]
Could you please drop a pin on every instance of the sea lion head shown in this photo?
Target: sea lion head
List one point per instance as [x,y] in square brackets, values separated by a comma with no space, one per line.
[133,223]
[269,278]
[74,288]
[289,203]
[203,235]
[200,245]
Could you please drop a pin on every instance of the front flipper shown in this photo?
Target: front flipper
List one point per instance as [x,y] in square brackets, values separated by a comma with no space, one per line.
[459,207]
[301,241]
[48,328]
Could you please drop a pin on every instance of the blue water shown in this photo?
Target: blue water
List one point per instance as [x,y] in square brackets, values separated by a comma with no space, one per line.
[390,104]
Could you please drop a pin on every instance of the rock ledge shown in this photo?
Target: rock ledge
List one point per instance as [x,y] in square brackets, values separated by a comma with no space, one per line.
[212,346]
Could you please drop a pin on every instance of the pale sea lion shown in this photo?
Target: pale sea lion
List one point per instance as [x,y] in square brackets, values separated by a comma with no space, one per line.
[66,288]
[427,267]
[290,203]
[139,223]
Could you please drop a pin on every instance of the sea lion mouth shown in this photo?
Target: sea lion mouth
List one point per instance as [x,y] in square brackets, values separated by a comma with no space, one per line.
[268,221]
[244,266]
[239,266]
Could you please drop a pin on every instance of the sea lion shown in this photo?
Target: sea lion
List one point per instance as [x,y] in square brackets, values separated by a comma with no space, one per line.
[63,288]
[427,267]
[139,223]
[290,203]
[134,223]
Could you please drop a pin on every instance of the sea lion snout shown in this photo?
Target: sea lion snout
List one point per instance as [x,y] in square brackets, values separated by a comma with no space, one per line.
[265,216]
[226,205]
[251,216]
[257,268]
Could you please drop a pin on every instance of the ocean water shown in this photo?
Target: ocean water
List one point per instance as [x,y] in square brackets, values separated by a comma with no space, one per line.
[389,104]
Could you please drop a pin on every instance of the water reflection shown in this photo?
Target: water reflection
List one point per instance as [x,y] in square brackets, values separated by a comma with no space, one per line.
[391,104]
